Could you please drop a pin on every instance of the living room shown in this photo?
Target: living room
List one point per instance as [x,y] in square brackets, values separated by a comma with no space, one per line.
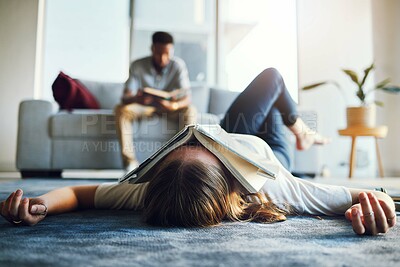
[326,43]
[225,44]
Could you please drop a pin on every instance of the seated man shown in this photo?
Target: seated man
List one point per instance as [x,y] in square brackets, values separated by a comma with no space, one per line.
[160,72]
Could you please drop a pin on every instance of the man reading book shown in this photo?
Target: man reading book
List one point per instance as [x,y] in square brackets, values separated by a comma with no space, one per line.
[157,84]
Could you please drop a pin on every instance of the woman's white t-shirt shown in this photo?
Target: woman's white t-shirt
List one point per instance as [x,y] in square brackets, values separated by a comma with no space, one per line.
[285,191]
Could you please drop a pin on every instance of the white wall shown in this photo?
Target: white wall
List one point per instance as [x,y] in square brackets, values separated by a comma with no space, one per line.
[68,39]
[387,57]
[18,30]
[333,35]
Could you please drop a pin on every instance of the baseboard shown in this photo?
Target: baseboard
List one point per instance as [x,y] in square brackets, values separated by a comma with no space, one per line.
[7,166]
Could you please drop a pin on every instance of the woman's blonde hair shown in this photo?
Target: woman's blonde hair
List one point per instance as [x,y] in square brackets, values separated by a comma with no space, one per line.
[193,193]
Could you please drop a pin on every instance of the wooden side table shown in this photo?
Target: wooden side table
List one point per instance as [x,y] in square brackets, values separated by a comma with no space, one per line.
[354,132]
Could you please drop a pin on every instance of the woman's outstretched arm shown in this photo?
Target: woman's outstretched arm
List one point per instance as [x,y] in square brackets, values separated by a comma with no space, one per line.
[30,211]
[372,212]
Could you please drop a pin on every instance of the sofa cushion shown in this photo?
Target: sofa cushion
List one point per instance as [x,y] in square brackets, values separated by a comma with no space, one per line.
[83,124]
[107,94]
[101,124]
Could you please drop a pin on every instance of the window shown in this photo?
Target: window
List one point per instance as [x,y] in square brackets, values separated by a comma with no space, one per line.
[191,22]
[87,39]
[252,35]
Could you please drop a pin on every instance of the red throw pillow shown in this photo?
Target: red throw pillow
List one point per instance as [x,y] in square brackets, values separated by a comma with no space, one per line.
[70,94]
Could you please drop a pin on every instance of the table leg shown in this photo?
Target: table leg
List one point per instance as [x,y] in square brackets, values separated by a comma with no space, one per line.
[352,156]
[378,156]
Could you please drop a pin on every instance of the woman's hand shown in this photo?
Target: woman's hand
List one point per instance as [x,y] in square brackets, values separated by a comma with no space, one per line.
[25,211]
[371,216]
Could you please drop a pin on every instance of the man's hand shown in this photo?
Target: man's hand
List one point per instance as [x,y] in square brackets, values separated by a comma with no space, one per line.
[173,105]
[372,215]
[139,98]
[25,211]
[167,106]
[128,98]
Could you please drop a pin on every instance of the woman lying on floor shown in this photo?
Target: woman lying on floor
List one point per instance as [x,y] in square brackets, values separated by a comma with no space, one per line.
[192,188]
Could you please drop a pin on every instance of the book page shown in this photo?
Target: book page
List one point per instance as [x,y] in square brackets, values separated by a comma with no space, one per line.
[157,93]
[217,134]
[173,95]
[138,175]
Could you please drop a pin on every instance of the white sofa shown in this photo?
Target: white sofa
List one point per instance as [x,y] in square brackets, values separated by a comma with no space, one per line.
[51,140]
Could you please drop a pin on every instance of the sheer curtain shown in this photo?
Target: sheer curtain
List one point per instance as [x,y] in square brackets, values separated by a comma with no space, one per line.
[86,39]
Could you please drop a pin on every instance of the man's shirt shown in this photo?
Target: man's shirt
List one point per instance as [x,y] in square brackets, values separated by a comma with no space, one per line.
[142,73]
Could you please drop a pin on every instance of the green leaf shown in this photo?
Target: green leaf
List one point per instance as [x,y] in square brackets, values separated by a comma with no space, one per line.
[353,75]
[382,83]
[366,72]
[360,94]
[391,89]
[378,103]
[312,86]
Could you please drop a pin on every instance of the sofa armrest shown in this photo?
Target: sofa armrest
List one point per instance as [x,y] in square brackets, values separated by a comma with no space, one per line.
[33,140]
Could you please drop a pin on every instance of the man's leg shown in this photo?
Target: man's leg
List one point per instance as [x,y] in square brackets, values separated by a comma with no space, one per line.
[184,116]
[125,115]
[189,116]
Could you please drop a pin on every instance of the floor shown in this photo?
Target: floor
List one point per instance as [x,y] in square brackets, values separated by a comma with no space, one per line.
[355,182]
[121,238]
[79,174]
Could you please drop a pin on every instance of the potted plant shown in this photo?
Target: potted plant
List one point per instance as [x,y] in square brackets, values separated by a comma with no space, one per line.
[365,113]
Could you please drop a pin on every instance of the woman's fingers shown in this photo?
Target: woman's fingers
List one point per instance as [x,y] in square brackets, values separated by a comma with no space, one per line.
[38,209]
[356,221]
[389,212]
[23,212]
[6,207]
[380,216]
[20,211]
[372,215]
[15,205]
[8,210]
[10,207]
[368,214]
[347,214]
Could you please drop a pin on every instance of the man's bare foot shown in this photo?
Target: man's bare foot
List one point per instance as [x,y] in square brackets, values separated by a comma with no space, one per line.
[305,137]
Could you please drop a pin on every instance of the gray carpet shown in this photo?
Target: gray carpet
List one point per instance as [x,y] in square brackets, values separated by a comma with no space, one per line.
[120,238]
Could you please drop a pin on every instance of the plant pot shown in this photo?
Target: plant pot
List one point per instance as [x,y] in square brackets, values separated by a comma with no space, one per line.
[364,116]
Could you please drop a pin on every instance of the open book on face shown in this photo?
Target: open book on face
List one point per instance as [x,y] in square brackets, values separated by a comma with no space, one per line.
[250,169]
